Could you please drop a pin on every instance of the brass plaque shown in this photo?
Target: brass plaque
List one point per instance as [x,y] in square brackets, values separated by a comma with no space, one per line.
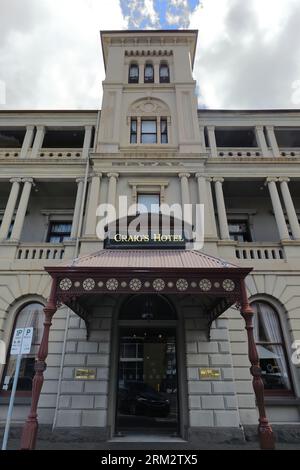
[85,374]
[206,373]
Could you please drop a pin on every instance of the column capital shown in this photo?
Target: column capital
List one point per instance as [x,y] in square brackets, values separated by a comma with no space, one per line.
[201,175]
[15,180]
[259,128]
[113,175]
[184,175]
[27,180]
[30,127]
[94,174]
[80,179]
[88,127]
[284,179]
[210,128]
[269,127]
[40,127]
[271,179]
[218,179]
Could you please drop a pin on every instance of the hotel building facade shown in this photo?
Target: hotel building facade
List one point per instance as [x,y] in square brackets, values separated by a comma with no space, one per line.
[148,337]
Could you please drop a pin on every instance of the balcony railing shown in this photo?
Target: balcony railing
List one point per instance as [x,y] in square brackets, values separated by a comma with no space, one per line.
[289,152]
[259,251]
[60,153]
[239,152]
[12,153]
[41,251]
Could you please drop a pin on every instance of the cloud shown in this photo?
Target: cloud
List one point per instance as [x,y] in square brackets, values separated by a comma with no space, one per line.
[248,53]
[140,14]
[50,51]
[178,13]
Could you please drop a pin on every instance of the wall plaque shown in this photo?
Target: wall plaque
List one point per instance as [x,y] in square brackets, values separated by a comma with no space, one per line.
[85,374]
[206,373]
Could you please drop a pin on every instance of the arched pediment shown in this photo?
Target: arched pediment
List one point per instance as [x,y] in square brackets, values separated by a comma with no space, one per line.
[149,107]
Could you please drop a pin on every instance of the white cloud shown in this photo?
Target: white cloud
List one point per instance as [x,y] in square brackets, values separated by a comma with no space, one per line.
[248,53]
[50,51]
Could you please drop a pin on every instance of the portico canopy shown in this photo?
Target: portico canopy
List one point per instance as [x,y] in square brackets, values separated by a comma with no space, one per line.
[217,283]
[148,271]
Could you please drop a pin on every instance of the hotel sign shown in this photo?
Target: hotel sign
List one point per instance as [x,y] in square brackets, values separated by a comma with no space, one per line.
[147,240]
[85,374]
[206,373]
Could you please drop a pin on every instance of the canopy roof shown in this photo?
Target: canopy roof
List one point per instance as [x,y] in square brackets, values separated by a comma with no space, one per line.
[137,271]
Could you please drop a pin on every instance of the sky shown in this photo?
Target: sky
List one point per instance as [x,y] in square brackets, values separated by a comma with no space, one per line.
[248,53]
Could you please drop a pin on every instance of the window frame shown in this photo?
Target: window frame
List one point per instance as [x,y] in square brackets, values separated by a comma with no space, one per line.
[130,79]
[5,394]
[151,79]
[59,234]
[276,392]
[133,133]
[161,78]
[231,221]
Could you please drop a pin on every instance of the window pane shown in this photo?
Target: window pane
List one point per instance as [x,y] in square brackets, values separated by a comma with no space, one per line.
[270,347]
[149,127]
[148,138]
[133,125]
[150,201]
[149,73]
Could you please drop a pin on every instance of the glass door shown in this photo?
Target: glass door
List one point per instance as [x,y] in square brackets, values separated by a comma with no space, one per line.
[147,380]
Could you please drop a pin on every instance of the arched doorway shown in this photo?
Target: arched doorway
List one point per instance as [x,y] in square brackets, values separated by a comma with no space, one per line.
[147,380]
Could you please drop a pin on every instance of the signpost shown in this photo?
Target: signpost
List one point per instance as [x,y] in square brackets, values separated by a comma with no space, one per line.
[21,344]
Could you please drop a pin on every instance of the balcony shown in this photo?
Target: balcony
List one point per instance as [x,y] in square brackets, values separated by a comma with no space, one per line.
[259,251]
[43,251]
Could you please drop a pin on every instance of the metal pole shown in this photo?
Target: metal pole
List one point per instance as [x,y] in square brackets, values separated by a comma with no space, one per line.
[11,402]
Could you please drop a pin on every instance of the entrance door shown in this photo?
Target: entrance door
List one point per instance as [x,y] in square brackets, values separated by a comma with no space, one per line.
[147,380]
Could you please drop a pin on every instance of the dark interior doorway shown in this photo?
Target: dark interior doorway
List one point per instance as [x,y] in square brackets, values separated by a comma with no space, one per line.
[147,382]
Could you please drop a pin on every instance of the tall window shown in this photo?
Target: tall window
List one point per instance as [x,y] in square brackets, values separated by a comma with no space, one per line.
[271,350]
[133,131]
[239,230]
[146,133]
[148,73]
[163,131]
[149,131]
[59,232]
[31,315]
[164,74]
[133,76]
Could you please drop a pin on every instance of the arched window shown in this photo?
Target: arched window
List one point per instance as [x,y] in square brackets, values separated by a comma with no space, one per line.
[31,315]
[164,74]
[148,73]
[133,76]
[271,350]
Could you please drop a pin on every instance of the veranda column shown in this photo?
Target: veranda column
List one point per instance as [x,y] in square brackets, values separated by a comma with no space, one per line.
[278,212]
[76,216]
[29,433]
[265,433]
[10,208]
[87,141]
[38,141]
[273,141]
[92,204]
[222,217]
[290,208]
[261,140]
[21,212]
[209,215]
[27,141]
[212,141]
[112,188]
